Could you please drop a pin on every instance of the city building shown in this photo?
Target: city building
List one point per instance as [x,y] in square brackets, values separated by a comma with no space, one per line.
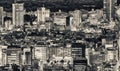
[119,47]
[18,14]
[99,14]
[42,14]
[78,50]
[1,16]
[77,19]
[40,54]
[109,8]
[13,55]
[96,57]
[8,24]
[49,24]
[59,52]
[87,54]
[3,55]
[110,56]
[27,56]
[60,18]
[7,14]
[93,17]
[79,59]
[79,40]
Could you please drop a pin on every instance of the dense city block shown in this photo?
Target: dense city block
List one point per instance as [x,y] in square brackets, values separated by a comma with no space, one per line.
[72,40]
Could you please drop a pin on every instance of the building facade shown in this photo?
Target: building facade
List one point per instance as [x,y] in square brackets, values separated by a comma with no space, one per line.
[40,54]
[109,7]
[18,14]
[76,20]
[42,14]
[3,55]
[1,16]
[13,55]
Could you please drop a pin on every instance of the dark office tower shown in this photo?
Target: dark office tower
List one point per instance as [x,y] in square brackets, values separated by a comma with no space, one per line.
[109,8]
[78,54]
[78,50]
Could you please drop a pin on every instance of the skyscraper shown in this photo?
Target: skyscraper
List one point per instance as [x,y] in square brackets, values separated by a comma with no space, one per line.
[43,13]
[77,17]
[78,50]
[109,8]
[77,14]
[18,14]
[78,54]
[1,16]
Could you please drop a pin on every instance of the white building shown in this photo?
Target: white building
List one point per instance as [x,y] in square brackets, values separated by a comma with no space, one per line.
[3,55]
[42,14]
[93,18]
[77,14]
[110,55]
[87,54]
[18,14]
[40,54]
[118,13]
[8,25]
[60,18]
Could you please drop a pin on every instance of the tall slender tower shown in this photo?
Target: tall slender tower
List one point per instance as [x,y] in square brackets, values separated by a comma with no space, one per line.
[77,14]
[1,16]
[118,62]
[18,14]
[109,8]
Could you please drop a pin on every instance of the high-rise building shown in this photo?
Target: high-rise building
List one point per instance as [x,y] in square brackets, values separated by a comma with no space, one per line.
[27,56]
[119,50]
[109,7]
[40,53]
[77,14]
[1,16]
[42,14]
[3,55]
[13,56]
[18,14]
[78,50]
[78,54]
